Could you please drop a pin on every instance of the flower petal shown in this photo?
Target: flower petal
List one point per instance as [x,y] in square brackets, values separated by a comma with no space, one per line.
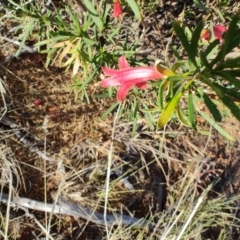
[205,35]
[218,31]
[117,10]
[132,76]
[122,63]
[109,71]
[142,85]
[123,91]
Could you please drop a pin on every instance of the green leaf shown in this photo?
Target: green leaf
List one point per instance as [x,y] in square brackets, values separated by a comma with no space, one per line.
[168,111]
[232,40]
[177,65]
[191,110]
[148,115]
[15,4]
[134,6]
[182,117]
[211,48]
[231,32]
[94,15]
[212,108]
[219,91]
[235,42]
[178,78]
[109,110]
[210,105]
[231,93]
[215,125]
[204,60]
[27,32]
[229,63]
[233,72]
[235,110]
[134,116]
[227,75]
[196,37]
[161,90]
[183,38]
[200,5]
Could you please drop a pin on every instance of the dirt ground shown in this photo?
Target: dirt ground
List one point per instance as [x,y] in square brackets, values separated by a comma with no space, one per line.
[44,107]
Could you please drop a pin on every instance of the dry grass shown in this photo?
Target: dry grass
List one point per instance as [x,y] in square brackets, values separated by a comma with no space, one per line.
[166,177]
[161,176]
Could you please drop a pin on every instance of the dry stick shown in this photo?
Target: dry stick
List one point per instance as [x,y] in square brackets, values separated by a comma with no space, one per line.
[64,206]
[25,49]
[69,208]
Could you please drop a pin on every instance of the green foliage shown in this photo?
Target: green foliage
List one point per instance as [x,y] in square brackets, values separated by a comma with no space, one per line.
[205,76]
[73,42]
[135,8]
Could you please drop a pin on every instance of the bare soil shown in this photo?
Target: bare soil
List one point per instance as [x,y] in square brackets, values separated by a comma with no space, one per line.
[57,119]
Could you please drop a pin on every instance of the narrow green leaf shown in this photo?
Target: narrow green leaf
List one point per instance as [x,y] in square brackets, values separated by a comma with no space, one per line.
[109,110]
[227,75]
[177,65]
[210,105]
[228,38]
[94,15]
[134,116]
[183,38]
[200,5]
[182,117]
[148,115]
[235,42]
[229,63]
[235,110]
[188,33]
[212,108]
[204,60]
[233,72]
[15,4]
[178,78]
[27,32]
[232,93]
[168,111]
[210,51]
[232,40]
[191,110]
[227,101]
[134,6]
[161,90]
[219,91]
[211,48]
[215,125]
[196,36]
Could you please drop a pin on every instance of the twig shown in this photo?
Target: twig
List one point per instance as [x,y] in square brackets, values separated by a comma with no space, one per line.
[72,209]
[25,49]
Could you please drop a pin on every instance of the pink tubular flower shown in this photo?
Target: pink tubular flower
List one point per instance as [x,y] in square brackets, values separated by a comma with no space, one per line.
[217,32]
[117,10]
[127,77]
[206,34]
